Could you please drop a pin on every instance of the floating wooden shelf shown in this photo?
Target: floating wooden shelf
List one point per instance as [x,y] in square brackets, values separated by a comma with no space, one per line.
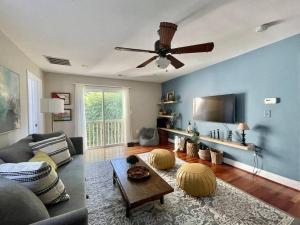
[165,116]
[176,131]
[168,102]
[248,147]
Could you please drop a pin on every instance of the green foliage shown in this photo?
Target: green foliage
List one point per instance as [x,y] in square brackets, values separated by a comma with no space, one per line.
[94,106]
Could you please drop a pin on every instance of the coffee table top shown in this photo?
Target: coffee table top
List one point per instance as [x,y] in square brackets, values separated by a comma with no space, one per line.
[138,192]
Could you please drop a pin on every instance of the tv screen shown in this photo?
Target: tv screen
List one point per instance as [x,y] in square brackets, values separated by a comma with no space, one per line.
[220,108]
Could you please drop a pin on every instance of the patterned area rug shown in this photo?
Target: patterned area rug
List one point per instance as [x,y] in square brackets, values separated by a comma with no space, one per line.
[229,206]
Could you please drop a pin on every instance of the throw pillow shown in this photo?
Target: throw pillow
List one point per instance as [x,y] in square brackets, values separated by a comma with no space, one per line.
[39,177]
[17,152]
[41,137]
[19,205]
[56,148]
[43,157]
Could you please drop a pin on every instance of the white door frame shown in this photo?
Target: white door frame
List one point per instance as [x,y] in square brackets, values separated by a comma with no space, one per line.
[39,95]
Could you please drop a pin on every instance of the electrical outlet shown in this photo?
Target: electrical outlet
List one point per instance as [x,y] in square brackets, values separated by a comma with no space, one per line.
[267,113]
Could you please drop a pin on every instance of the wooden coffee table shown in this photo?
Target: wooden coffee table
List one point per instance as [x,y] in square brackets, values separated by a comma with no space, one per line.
[136,193]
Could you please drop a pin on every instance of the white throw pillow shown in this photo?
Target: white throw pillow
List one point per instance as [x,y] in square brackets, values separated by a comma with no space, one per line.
[56,148]
[39,177]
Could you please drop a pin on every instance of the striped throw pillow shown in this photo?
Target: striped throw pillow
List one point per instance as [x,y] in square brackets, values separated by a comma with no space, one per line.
[39,177]
[55,147]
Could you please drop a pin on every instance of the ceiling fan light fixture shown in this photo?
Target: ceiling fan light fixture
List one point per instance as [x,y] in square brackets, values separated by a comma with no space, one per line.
[162,62]
[163,51]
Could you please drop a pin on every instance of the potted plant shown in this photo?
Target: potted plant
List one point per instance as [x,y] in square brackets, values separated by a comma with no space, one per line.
[192,145]
[204,152]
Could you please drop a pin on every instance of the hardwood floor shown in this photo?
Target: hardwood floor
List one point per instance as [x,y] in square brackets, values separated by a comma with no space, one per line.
[275,194]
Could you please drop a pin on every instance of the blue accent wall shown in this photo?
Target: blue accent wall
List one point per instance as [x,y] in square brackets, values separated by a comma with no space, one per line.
[271,71]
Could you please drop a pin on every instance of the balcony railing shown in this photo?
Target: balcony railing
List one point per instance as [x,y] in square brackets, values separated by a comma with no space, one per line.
[101,133]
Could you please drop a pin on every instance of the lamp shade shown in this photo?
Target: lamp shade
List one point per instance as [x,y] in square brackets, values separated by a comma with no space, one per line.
[243,126]
[52,105]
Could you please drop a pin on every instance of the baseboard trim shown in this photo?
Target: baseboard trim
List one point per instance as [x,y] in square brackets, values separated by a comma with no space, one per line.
[262,173]
[265,174]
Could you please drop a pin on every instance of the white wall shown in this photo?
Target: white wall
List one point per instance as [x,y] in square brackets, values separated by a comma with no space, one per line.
[14,59]
[144,97]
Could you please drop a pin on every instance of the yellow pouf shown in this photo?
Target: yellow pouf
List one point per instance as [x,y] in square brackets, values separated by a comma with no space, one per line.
[162,159]
[196,179]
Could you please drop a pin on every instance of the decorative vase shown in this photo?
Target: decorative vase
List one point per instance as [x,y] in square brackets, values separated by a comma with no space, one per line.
[216,156]
[192,149]
[204,154]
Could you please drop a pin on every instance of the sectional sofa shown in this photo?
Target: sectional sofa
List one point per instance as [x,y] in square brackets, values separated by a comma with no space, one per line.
[18,205]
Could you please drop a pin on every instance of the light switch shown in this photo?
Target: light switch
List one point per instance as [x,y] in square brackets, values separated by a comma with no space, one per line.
[267,113]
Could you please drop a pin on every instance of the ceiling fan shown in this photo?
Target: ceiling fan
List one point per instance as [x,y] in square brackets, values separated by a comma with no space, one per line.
[162,48]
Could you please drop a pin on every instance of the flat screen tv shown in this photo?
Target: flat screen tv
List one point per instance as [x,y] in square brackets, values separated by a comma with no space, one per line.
[220,108]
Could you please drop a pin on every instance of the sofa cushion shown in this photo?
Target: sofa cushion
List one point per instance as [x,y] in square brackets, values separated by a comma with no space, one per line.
[41,137]
[55,147]
[18,205]
[72,175]
[17,152]
[43,157]
[1,161]
[39,177]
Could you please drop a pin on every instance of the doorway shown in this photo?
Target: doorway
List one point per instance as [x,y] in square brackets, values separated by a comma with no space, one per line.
[104,117]
[35,118]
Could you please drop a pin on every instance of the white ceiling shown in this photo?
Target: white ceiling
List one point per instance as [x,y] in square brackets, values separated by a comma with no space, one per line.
[86,31]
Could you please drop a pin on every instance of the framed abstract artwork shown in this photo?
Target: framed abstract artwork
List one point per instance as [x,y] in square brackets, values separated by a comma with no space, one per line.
[62,95]
[65,116]
[10,112]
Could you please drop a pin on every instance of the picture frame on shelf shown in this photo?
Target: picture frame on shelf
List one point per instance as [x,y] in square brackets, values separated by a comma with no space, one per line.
[65,116]
[62,95]
[171,95]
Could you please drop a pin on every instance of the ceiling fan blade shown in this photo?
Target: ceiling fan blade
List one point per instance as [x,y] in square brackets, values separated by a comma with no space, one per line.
[133,50]
[175,62]
[166,33]
[147,62]
[207,47]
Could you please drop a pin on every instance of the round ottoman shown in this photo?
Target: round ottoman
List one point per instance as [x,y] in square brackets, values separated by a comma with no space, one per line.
[196,179]
[162,159]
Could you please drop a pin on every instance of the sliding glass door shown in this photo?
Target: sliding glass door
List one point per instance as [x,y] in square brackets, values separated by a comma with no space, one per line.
[104,117]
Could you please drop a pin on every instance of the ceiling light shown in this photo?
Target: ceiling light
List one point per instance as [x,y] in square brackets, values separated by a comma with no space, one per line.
[162,62]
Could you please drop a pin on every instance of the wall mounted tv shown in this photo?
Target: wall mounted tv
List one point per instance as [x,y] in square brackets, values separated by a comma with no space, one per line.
[219,108]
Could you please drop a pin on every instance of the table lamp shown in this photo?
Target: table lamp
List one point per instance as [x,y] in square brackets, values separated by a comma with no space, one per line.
[243,127]
[52,105]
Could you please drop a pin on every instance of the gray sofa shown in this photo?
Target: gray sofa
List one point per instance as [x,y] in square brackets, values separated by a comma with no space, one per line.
[18,205]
